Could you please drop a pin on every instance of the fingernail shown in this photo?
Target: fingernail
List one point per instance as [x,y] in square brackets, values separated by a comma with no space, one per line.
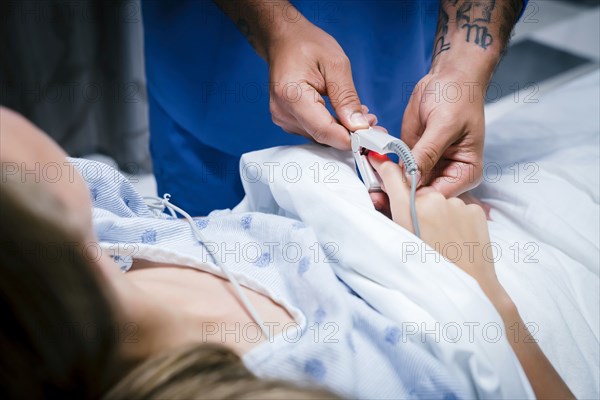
[359,120]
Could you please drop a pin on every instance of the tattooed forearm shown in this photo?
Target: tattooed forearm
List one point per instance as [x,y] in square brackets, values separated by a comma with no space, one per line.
[474,18]
[258,20]
[238,10]
[441,43]
[484,23]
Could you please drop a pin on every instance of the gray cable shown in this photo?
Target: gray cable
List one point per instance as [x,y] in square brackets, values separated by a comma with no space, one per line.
[401,149]
[413,206]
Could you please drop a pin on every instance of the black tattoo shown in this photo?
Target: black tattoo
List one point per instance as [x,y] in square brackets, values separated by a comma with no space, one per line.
[442,30]
[473,11]
[476,14]
[479,20]
[475,18]
[482,37]
[463,13]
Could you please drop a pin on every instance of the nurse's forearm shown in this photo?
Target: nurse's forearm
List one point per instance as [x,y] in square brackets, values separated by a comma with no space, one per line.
[262,21]
[472,34]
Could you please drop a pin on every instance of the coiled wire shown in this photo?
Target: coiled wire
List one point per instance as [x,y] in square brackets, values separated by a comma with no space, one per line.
[410,165]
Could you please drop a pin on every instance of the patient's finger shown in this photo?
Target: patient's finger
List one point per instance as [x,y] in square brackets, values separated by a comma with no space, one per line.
[424,190]
[396,187]
[468,198]
[381,202]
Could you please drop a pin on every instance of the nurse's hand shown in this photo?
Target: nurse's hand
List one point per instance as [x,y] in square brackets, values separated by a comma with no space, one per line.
[305,64]
[444,125]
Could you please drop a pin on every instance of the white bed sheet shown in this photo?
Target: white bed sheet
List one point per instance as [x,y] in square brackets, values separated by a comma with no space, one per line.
[551,210]
[553,223]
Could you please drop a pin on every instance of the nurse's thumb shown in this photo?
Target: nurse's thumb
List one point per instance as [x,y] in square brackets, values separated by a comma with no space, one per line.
[427,152]
[346,103]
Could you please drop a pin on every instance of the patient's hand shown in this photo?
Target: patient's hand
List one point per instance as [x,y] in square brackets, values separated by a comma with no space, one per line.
[446,222]
[457,230]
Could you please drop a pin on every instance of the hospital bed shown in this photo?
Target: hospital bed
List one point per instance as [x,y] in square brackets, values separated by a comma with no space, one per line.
[541,178]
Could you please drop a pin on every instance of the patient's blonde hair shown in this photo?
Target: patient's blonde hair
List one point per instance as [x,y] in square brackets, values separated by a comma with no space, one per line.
[204,371]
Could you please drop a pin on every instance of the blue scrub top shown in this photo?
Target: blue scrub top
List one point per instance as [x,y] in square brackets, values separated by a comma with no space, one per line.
[208,89]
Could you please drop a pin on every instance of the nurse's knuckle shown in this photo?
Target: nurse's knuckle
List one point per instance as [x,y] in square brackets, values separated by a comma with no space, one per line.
[430,154]
[286,90]
[345,97]
[276,113]
[276,97]
[276,120]
[320,132]
[339,62]
[475,175]
[448,117]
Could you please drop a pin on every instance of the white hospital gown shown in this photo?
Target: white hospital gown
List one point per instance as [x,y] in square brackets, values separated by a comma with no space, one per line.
[340,342]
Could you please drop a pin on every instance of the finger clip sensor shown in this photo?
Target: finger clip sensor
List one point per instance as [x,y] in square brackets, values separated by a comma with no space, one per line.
[375,139]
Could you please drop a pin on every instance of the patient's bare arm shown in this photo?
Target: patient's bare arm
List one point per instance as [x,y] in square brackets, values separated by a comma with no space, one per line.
[444,221]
